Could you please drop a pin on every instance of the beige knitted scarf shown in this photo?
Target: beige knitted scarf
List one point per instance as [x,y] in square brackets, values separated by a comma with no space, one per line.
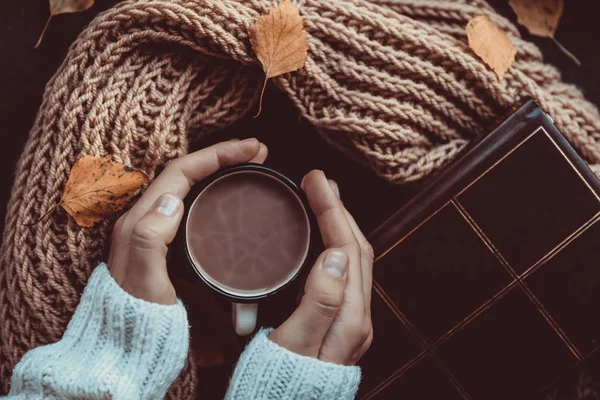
[391,83]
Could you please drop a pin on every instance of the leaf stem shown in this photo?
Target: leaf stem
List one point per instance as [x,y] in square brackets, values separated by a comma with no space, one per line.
[45,214]
[567,52]
[43,32]
[261,96]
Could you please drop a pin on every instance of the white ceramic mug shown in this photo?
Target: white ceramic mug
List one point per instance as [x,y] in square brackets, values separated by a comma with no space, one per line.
[244,317]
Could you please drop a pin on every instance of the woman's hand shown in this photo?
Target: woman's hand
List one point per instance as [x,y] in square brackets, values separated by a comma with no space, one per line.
[333,321]
[140,237]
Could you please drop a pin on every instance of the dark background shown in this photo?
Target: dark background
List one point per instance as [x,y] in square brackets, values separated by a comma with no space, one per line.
[294,144]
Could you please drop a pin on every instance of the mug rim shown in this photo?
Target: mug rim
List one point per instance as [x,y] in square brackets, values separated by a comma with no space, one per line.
[199,187]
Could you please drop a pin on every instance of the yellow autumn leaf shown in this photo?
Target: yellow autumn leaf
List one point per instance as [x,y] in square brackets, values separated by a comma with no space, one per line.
[491,44]
[279,42]
[98,188]
[541,18]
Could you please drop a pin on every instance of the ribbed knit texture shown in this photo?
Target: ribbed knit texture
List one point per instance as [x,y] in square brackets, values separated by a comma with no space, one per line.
[116,346]
[267,371]
[392,83]
[119,347]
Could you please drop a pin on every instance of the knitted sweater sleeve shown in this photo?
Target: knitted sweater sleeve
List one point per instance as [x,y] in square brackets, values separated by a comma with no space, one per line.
[120,347]
[267,371]
[115,346]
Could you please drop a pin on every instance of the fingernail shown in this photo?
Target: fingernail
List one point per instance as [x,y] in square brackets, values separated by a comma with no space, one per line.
[335,187]
[302,182]
[249,140]
[336,263]
[167,205]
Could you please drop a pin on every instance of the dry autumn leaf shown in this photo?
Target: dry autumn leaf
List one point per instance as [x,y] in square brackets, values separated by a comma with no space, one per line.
[99,187]
[541,18]
[490,43]
[64,7]
[279,41]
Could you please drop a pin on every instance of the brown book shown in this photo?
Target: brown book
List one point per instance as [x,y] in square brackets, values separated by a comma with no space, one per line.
[487,284]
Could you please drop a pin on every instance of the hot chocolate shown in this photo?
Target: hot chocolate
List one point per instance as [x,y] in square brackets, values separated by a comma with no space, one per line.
[247,233]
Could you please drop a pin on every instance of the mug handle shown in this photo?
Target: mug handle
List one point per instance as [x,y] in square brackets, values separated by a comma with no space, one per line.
[244,318]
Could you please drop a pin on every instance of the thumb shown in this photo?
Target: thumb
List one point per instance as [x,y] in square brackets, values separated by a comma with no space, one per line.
[303,332]
[147,276]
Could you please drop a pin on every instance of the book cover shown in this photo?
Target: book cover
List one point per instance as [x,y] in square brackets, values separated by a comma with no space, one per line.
[483,281]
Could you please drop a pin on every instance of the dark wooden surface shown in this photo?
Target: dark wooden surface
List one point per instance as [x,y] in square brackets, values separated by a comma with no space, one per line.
[295,146]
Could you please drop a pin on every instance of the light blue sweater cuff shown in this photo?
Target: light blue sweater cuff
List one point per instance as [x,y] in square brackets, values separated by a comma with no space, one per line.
[267,371]
[116,346]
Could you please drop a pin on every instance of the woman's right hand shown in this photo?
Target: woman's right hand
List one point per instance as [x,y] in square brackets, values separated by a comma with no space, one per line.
[333,321]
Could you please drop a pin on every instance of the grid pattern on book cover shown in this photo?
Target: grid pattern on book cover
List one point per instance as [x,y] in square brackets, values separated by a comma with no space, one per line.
[505,318]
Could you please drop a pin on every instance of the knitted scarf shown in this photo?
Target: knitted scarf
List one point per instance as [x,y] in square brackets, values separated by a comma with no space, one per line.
[391,83]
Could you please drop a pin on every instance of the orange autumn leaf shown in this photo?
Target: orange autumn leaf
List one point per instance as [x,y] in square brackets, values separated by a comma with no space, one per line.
[98,188]
[64,7]
[491,44]
[541,18]
[279,42]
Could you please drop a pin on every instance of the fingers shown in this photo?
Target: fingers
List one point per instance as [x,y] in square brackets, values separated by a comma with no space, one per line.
[150,237]
[181,174]
[335,188]
[336,231]
[344,335]
[263,152]
[305,330]
[366,255]
[366,252]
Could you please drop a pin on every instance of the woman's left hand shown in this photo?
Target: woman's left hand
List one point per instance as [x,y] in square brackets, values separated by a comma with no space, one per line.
[140,237]
[333,321]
